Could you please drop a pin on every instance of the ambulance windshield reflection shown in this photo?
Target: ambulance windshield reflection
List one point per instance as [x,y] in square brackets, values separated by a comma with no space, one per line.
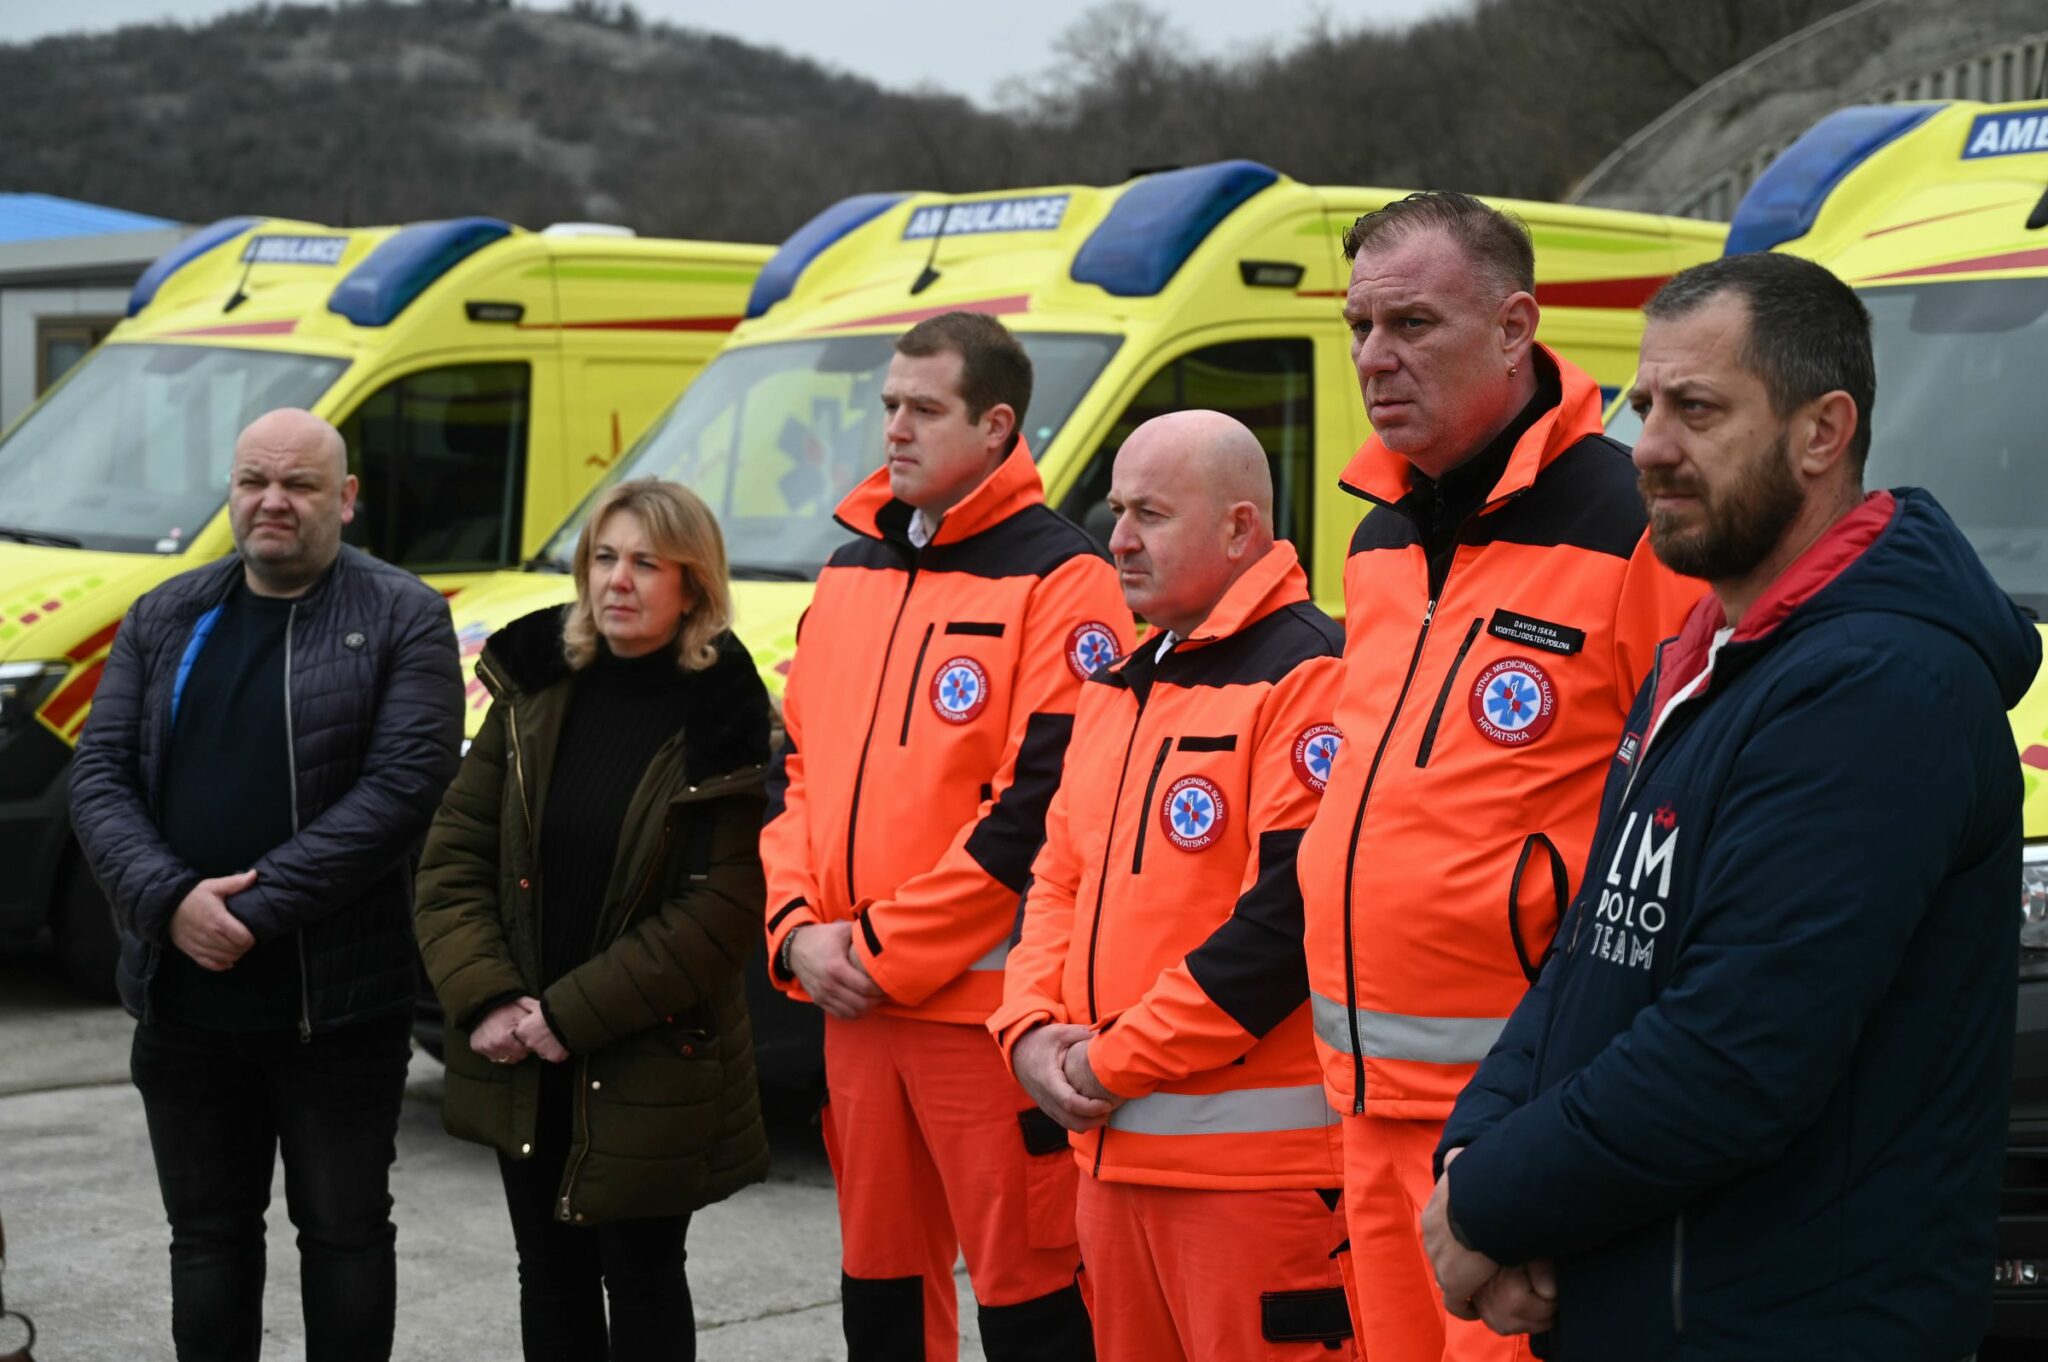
[774,436]
[1960,366]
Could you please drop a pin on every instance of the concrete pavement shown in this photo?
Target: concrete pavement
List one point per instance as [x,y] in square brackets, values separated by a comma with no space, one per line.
[87,1239]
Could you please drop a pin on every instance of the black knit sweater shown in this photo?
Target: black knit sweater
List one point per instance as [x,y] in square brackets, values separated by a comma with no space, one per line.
[621,710]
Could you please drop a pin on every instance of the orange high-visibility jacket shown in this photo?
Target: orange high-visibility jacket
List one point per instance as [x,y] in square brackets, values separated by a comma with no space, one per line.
[928,710]
[1164,910]
[1479,727]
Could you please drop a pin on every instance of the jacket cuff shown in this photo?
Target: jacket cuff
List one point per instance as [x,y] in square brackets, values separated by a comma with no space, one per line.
[476,1014]
[547,1015]
[782,924]
[1011,1022]
[1107,1060]
[867,950]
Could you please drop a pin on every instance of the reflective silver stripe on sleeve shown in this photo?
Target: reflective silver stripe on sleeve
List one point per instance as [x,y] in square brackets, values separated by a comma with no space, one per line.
[1395,1035]
[994,959]
[1249,1111]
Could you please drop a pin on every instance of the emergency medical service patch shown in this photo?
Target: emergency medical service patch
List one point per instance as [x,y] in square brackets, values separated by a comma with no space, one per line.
[1090,647]
[1315,752]
[1513,702]
[1192,815]
[959,690]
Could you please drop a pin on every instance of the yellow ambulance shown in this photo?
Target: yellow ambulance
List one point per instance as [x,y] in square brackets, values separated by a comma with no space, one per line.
[483,375]
[1937,214]
[1214,286]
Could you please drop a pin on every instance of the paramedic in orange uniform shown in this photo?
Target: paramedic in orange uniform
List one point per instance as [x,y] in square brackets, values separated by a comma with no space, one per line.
[928,711]
[1157,1003]
[1502,606]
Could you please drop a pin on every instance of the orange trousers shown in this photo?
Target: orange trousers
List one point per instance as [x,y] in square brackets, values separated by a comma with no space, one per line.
[936,1150]
[1395,1304]
[1182,1274]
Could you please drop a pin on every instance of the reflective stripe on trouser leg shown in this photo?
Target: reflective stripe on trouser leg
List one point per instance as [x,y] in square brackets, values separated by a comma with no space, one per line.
[1399,1035]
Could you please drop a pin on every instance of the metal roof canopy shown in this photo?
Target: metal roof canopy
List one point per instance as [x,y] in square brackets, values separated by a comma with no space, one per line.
[48,240]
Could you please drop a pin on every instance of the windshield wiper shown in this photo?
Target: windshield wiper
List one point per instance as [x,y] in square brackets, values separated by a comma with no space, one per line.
[751,572]
[42,537]
[545,564]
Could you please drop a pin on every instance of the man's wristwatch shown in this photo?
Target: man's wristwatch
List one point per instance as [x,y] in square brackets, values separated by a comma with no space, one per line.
[782,966]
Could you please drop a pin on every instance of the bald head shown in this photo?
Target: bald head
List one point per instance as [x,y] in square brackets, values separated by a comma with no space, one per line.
[1203,452]
[289,430]
[288,497]
[1193,497]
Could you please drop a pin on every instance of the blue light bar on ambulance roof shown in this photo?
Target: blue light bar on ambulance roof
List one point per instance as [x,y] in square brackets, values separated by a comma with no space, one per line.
[778,279]
[1787,197]
[406,263]
[181,255]
[1158,222]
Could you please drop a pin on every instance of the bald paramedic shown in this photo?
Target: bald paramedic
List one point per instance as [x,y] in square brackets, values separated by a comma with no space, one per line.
[928,712]
[1157,1003]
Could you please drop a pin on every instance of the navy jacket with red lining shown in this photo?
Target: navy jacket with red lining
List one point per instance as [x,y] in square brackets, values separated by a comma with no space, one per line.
[1755,1106]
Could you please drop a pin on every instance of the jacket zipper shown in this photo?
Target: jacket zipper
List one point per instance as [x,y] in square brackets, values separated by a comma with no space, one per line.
[1436,712]
[1678,1274]
[291,759]
[597,944]
[860,772]
[1351,863]
[1145,815]
[1102,881]
[518,779]
[910,696]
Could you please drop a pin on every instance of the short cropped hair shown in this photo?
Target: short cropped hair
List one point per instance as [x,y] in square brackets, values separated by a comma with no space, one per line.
[1496,241]
[994,369]
[1808,332]
[683,531]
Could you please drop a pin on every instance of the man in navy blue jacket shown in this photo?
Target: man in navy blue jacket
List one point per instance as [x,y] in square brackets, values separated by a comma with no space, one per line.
[1755,1106]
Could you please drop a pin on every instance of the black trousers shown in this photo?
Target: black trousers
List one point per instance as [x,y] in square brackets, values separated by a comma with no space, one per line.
[567,1272]
[220,1107]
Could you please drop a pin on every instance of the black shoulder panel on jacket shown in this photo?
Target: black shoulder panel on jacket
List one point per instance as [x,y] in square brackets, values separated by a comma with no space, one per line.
[1585,499]
[1384,528]
[864,551]
[1265,652]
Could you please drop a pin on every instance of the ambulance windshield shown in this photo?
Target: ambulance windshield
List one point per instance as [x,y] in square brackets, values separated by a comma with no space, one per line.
[131,452]
[1959,372]
[1959,368]
[774,436]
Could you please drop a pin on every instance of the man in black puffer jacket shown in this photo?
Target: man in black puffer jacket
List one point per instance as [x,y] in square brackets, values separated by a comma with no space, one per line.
[266,749]
[1755,1106]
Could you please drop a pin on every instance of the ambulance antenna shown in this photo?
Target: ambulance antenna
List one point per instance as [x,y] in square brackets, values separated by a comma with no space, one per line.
[930,276]
[239,296]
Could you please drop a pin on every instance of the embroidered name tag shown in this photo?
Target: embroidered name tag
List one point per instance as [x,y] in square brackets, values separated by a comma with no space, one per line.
[1556,638]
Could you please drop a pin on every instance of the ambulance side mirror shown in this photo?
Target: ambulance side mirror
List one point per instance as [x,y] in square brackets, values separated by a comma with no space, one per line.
[1099,521]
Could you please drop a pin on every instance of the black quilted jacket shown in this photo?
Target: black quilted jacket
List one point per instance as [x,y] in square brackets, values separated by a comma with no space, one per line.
[376,722]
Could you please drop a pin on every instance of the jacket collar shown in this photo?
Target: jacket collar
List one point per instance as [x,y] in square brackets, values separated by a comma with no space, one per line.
[1273,582]
[1824,561]
[1379,474]
[871,510]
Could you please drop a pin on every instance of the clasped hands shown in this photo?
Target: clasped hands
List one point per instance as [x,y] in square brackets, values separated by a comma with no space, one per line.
[822,959]
[514,1030]
[1510,1300]
[1051,1061]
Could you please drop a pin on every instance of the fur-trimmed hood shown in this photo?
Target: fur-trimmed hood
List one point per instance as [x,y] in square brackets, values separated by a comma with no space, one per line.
[728,705]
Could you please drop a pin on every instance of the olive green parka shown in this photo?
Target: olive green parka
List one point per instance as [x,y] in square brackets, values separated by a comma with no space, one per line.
[667,1117]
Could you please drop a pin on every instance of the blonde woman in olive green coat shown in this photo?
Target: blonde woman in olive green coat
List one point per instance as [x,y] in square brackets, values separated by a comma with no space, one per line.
[589,895]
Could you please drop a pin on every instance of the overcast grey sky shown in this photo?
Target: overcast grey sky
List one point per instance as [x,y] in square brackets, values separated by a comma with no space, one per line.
[965,48]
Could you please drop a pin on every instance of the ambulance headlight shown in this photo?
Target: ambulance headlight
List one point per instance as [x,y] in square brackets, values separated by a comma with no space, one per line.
[2034,897]
[24,686]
